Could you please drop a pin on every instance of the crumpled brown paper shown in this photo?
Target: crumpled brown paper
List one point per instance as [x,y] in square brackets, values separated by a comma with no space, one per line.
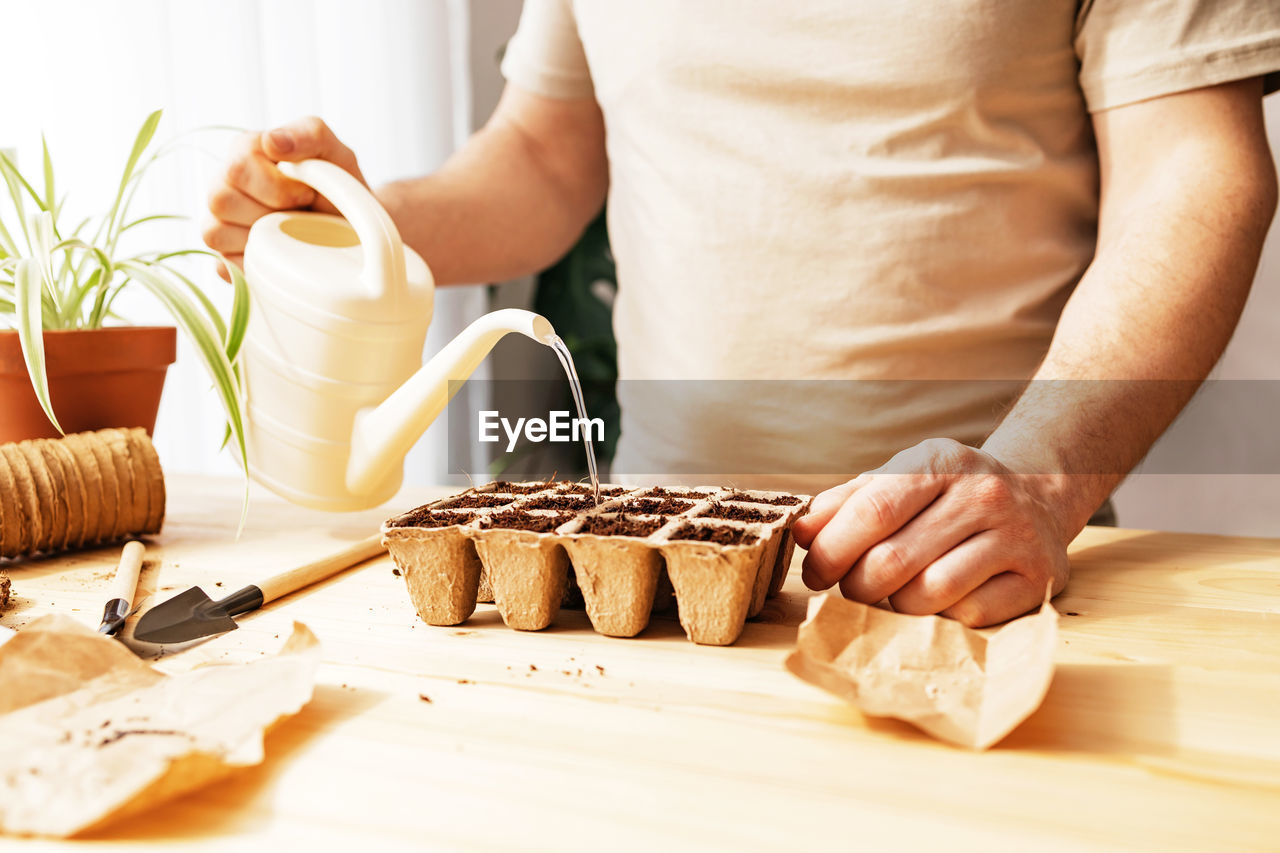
[88,732]
[957,684]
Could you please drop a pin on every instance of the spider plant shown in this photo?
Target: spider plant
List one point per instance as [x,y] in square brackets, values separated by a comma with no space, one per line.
[62,277]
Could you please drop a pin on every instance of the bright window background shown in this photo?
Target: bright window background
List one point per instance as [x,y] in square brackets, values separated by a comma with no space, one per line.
[403,82]
[392,77]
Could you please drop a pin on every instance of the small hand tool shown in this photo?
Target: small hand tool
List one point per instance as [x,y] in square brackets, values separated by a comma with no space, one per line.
[192,615]
[123,587]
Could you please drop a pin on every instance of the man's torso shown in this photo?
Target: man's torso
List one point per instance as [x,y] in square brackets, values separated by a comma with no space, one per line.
[837,191]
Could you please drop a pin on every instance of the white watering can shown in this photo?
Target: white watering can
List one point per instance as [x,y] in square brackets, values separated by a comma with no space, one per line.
[337,391]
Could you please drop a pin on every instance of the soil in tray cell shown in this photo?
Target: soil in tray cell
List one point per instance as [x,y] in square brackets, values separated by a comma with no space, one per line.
[516,488]
[559,502]
[718,535]
[659,492]
[657,506]
[740,513]
[585,489]
[426,518]
[474,501]
[620,525]
[515,519]
[780,500]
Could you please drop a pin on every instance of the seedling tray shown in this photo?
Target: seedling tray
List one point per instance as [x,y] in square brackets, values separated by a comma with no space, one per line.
[718,552]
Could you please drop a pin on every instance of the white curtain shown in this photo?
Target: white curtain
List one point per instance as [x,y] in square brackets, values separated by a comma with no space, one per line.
[390,76]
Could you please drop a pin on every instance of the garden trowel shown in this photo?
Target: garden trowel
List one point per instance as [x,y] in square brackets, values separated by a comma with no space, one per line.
[124,586]
[192,615]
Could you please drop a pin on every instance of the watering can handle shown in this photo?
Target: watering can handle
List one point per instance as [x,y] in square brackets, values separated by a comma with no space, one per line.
[384,273]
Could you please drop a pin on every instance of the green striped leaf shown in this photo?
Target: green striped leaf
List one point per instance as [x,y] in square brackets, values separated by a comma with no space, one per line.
[49,195]
[188,314]
[31,333]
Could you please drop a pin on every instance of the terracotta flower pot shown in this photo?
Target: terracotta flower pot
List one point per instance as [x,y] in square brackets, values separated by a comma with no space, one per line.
[98,378]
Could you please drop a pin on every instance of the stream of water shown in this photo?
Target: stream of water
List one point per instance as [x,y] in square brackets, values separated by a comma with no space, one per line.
[575,385]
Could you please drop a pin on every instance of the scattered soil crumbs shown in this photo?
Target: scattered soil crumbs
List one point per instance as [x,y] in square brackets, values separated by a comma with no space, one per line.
[395,570]
[119,734]
[780,500]
[604,525]
[423,517]
[4,591]
[557,502]
[515,519]
[425,698]
[718,535]
[1072,613]
[654,506]
[740,513]
[465,681]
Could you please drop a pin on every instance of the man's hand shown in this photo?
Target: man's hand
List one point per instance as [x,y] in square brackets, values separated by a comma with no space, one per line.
[252,186]
[941,528]
[947,529]
[510,202]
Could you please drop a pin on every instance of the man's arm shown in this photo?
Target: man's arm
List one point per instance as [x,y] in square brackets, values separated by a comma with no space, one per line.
[1188,191]
[510,202]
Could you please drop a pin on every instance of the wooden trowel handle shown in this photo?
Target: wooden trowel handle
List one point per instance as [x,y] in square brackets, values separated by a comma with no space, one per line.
[125,583]
[295,579]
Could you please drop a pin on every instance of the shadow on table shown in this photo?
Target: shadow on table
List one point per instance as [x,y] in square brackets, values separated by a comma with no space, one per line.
[1098,709]
[240,803]
[1103,708]
[774,628]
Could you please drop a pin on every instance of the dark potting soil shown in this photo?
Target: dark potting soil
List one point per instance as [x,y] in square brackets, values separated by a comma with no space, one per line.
[718,535]
[659,492]
[517,488]
[424,517]
[585,489]
[474,501]
[515,519]
[620,525]
[780,500]
[558,502]
[740,513]
[654,506]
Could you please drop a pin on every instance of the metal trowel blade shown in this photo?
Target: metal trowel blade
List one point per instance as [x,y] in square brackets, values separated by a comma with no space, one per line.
[183,618]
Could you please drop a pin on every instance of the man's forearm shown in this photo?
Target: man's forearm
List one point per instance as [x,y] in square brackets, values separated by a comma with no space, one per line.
[513,199]
[1178,247]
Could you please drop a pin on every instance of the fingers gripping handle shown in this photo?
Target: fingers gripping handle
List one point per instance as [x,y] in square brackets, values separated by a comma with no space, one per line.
[384,272]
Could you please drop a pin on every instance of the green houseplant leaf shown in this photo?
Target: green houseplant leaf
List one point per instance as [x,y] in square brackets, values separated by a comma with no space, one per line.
[31,331]
[53,282]
[49,195]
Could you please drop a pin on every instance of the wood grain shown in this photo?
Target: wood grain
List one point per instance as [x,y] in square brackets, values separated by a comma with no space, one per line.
[1161,729]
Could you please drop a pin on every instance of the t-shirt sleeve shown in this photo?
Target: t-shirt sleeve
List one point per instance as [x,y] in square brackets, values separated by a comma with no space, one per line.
[1132,50]
[545,56]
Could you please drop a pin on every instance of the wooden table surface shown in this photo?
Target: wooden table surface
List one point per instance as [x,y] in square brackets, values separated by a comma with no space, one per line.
[1161,729]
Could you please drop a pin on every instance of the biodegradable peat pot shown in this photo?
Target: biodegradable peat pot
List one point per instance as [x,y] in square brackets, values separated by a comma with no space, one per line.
[98,378]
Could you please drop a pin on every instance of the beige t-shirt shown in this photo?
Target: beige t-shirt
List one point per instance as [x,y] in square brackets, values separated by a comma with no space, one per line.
[883,204]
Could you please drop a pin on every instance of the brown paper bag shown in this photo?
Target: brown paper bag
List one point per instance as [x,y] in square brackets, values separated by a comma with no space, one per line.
[960,685]
[89,733]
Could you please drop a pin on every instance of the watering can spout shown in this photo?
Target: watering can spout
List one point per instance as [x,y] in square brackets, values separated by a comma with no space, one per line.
[382,435]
